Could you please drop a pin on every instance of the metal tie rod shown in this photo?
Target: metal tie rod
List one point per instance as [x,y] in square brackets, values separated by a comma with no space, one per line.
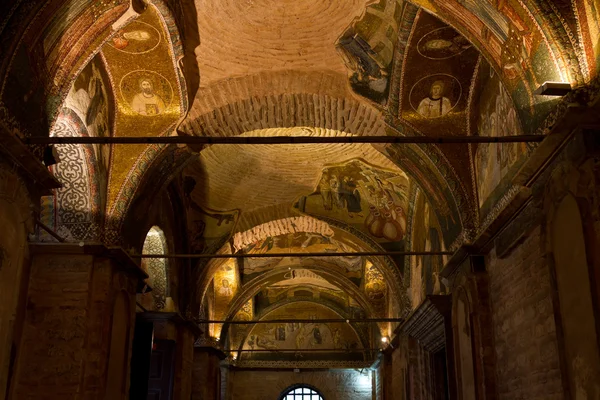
[280,255]
[200,140]
[300,321]
[356,350]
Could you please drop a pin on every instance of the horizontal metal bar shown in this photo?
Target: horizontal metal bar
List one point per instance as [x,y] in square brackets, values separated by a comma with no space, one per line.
[302,321]
[279,255]
[199,140]
[304,350]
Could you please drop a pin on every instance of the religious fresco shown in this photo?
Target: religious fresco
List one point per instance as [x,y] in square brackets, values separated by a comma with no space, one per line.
[589,23]
[435,99]
[303,336]
[450,206]
[226,284]
[209,229]
[509,36]
[146,93]
[92,100]
[367,48]
[350,266]
[369,199]
[376,290]
[495,115]
[50,51]
[302,284]
[425,269]
[147,84]
[136,38]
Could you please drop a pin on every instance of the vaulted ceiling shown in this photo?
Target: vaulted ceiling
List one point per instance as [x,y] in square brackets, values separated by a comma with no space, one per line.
[292,67]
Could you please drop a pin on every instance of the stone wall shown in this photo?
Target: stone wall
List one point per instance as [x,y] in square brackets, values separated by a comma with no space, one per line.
[15,223]
[527,359]
[206,375]
[67,347]
[333,384]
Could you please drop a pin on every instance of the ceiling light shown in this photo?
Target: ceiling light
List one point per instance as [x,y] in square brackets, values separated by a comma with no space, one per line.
[553,89]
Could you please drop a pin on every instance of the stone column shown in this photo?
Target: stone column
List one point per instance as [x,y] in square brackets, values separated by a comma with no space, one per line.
[78,327]
[172,326]
[206,375]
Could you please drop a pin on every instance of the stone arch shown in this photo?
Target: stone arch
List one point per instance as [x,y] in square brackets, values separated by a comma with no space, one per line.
[572,266]
[325,111]
[386,265]
[156,268]
[337,309]
[363,338]
[253,287]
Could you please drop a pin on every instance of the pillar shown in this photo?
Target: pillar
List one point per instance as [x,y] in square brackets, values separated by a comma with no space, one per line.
[78,324]
[171,326]
[206,375]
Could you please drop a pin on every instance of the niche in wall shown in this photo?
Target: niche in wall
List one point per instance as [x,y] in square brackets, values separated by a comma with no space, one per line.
[575,300]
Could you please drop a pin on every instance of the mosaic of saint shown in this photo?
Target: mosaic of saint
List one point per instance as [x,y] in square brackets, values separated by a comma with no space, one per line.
[436,76]
[369,199]
[225,286]
[146,92]
[438,95]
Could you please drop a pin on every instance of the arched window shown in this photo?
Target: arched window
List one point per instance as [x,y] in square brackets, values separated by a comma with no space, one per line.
[301,392]
[156,268]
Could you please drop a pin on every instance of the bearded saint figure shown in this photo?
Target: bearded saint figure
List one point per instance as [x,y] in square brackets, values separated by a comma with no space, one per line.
[147,102]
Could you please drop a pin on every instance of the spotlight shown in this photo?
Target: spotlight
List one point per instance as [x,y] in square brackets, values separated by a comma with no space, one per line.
[553,89]
[384,339]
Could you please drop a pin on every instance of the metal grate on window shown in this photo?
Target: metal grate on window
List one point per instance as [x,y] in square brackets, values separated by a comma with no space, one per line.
[302,393]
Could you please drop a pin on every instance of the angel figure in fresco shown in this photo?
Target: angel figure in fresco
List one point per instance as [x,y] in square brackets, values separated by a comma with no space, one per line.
[435,105]
[146,102]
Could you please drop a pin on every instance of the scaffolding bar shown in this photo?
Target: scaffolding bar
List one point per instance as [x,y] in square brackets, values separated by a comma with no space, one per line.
[258,140]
